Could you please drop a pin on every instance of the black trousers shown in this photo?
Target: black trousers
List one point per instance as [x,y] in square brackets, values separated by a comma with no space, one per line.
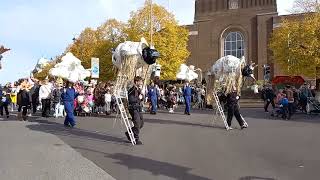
[34,106]
[290,109]
[46,105]
[137,119]
[268,103]
[5,107]
[24,111]
[233,110]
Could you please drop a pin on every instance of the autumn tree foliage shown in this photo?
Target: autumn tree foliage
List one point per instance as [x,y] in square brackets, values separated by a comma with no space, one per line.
[296,45]
[169,39]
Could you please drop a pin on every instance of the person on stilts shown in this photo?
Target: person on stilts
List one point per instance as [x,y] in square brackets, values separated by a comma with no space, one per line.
[234,109]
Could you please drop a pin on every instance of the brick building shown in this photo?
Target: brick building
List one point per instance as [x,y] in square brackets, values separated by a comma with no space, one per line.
[233,27]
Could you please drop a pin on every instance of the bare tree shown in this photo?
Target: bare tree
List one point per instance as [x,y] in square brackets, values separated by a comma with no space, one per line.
[304,6]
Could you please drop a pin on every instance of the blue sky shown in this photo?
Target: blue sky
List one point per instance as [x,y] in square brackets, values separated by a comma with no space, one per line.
[44,28]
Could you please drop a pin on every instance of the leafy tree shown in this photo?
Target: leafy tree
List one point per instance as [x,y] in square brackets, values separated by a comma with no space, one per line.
[95,43]
[169,38]
[296,45]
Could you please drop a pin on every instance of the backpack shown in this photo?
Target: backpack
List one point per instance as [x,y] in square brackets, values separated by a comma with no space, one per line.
[150,55]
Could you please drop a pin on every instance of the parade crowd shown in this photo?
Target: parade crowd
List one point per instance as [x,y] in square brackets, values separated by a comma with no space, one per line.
[287,101]
[28,96]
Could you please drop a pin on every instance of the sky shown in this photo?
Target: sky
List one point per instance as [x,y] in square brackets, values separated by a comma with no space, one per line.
[44,28]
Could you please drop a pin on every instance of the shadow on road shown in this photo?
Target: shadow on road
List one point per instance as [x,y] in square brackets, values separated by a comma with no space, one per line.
[59,130]
[297,117]
[161,121]
[155,167]
[255,178]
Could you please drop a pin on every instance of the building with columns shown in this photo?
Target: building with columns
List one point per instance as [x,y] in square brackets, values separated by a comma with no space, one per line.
[233,27]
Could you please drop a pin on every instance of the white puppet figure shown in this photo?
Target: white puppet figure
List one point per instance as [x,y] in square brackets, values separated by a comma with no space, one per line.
[228,72]
[70,69]
[133,59]
[187,73]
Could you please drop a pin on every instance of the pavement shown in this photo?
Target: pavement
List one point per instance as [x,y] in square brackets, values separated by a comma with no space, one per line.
[176,146]
[34,155]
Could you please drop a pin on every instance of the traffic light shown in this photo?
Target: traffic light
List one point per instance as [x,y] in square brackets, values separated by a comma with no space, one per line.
[267,72]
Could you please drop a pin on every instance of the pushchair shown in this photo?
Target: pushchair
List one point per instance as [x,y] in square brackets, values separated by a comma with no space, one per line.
[281,111]
[313,106]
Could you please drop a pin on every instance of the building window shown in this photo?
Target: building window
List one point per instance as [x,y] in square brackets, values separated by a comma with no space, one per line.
[234,44]
[233,4]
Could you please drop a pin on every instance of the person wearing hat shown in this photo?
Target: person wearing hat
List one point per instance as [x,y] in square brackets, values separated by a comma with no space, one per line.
[187,93]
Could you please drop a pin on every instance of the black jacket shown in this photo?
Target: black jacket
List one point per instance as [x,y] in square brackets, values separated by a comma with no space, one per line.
[23,98]
[133,98]
[232,99]
[270,94]
[56,95]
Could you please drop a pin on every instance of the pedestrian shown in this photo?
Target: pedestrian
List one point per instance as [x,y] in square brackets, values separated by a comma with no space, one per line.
[108,99]
[290,97]
[57,99]
[13,95]
[187,93]
[24,99]
[305,93]
[4,102]
[35,96]
[68,97]
[153,95]
[269,97]
[135,97]
[171,98]
[45,98]
[284,103]
[234,109]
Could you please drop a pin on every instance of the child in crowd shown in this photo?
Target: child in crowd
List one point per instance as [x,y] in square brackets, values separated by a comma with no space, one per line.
[56,95]
[108,98]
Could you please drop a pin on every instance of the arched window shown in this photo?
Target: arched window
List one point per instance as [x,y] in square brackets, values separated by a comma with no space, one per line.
[234,44]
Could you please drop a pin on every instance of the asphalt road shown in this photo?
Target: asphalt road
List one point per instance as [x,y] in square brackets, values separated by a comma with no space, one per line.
[183,147]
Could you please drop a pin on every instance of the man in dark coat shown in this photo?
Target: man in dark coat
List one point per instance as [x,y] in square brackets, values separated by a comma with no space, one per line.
[134,97]
[35,96]
[269,97]
[234,109]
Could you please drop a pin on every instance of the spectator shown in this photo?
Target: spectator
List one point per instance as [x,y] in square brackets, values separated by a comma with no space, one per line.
[290,97]
[24,99]
[269,98]
[45,98]
[4,102]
